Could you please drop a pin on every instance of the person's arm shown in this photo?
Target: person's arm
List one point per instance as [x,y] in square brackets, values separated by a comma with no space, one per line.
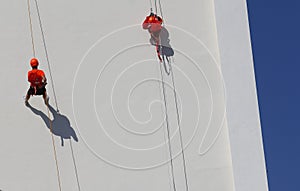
[28,74]
[44,79]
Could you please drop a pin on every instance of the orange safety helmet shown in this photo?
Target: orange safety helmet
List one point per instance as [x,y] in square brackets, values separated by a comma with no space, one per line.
[34,62]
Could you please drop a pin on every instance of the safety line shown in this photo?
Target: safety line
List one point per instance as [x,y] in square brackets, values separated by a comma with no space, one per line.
[155,7]
[46,53]
[179,128]
[54,149]
[165,134]
[75,166]
[166,113]
[151,7]
[31,30]
[54,94]
[177,111]
[50,121]
[167,127]
[161,13]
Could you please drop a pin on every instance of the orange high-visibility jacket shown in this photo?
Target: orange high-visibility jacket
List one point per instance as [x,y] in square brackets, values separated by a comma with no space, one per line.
[36,78]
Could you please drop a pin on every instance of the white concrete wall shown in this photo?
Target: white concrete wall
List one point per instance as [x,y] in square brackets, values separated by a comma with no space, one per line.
[106,78]
[241,98]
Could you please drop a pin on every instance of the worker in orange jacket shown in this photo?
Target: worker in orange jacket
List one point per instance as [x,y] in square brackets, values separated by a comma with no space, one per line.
[38,82]
[153,23]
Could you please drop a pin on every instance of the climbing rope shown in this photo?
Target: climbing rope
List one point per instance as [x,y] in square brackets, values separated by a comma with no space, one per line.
[175,100]
[165,134]
[155,4]
[75,166]
[31,30]
[151,7]
[179,128]
[46,53]
[33,50]
[54,149]
[161,13]
[53,89]
[168,128]
[50,121]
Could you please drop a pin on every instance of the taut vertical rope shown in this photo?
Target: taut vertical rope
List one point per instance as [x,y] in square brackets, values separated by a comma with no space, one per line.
[168,128]
[179,128]
[31,29]
[151,7]
[155,4]
[46,53]
[75,166]
[177,110]
[50,121]
[54,148]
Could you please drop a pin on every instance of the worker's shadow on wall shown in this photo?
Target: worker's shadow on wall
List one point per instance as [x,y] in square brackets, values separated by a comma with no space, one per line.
[166,49]
[60,124]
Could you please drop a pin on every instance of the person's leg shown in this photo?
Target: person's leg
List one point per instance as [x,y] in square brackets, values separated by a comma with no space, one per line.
[42,91]
[26,99]
[46,98]
[29,93]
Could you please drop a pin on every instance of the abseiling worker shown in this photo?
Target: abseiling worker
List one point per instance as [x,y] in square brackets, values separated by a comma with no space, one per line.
[153,23]
[38,82]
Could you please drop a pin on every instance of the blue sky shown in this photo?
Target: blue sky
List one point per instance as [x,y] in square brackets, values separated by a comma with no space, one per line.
[275,30]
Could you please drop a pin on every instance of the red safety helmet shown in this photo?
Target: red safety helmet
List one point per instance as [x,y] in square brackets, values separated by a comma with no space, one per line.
[34,62]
